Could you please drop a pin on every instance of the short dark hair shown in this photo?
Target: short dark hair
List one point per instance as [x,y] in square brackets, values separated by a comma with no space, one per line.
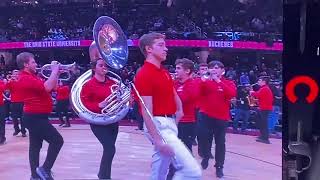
[186,64]
[23,58]
[265,79]
[148,40]
[215,63]
[203,65]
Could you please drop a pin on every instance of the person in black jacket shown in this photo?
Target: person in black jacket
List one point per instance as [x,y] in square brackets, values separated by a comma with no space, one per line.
[242,110]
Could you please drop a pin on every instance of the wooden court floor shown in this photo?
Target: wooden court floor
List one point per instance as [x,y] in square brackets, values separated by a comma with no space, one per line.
[80,156]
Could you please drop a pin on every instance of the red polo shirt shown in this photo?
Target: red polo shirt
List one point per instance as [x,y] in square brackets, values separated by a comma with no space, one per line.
[188,94]
[216,98]
[15,91]
[265,98]
[94,92]
[35,97]
[157,83]
[2,89]
[63,92]
[197,83]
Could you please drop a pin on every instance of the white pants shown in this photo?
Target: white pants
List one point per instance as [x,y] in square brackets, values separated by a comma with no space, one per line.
[186,165]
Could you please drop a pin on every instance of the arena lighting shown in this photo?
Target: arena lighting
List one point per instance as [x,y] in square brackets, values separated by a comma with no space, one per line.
[302,79]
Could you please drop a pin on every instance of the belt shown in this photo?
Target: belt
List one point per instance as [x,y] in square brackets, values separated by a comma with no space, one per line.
[167,115]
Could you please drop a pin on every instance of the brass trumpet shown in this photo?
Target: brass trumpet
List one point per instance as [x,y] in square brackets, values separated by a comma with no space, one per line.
[63,68]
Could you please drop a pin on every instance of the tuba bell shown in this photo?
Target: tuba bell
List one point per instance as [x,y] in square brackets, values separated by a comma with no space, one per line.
[113,48]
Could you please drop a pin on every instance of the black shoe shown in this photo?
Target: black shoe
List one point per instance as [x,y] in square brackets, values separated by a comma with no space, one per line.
[194,143]
[24,135]
[44,174]
[16,133]
[66,125]
[3,141]
[266,141]
[205,163]
[211,156]
[34,178]
[61,124]
[219,172]
[102,178]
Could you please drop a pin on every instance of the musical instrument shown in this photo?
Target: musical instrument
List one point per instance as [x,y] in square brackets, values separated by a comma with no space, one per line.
[173,76]
[207,75]
[113,48]
[63,68]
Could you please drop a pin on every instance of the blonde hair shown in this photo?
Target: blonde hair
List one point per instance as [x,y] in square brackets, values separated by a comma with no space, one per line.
[148,40]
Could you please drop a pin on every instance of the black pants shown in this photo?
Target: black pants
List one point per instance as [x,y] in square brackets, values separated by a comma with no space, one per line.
[186,132]
[208,126]
[263,124]
[198,116]
[2,123]
[107,135]
[137,115]
[16,114]
[62,110]
[40,129]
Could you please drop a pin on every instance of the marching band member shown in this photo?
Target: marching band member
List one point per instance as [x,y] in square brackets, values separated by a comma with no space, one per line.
[185,86]
[156,88]
[187,91]
[214,114]
[203,70]
[16,106]
[36,110]
[2,115]
[265,99]
[63,92]
[93,95]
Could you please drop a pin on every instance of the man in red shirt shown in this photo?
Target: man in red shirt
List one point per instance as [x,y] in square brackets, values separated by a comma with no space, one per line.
[217,93]
[265,100]
[36,110]
[187,91]
[2,115]
[62,107]
[156,88]
[16,105]
[203,70]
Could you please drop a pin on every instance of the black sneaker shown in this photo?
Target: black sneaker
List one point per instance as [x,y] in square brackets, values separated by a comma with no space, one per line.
[211,156]
[24,135]
[16,133]
[66,125]
[265,141]
[43,174]
[219,172]
[61,124]
[34,178]
[205,163]
[3,141]
[194,143]
[101,178]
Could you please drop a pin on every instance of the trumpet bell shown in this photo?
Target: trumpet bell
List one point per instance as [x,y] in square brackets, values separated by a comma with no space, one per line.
[111,42]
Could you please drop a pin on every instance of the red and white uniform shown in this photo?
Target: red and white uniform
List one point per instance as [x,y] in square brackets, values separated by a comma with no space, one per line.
[63,92]
[265,98]
[3,87]
[35,97]
[16,92]
[157,82]
[217,98]
[93,92]
[188,94]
